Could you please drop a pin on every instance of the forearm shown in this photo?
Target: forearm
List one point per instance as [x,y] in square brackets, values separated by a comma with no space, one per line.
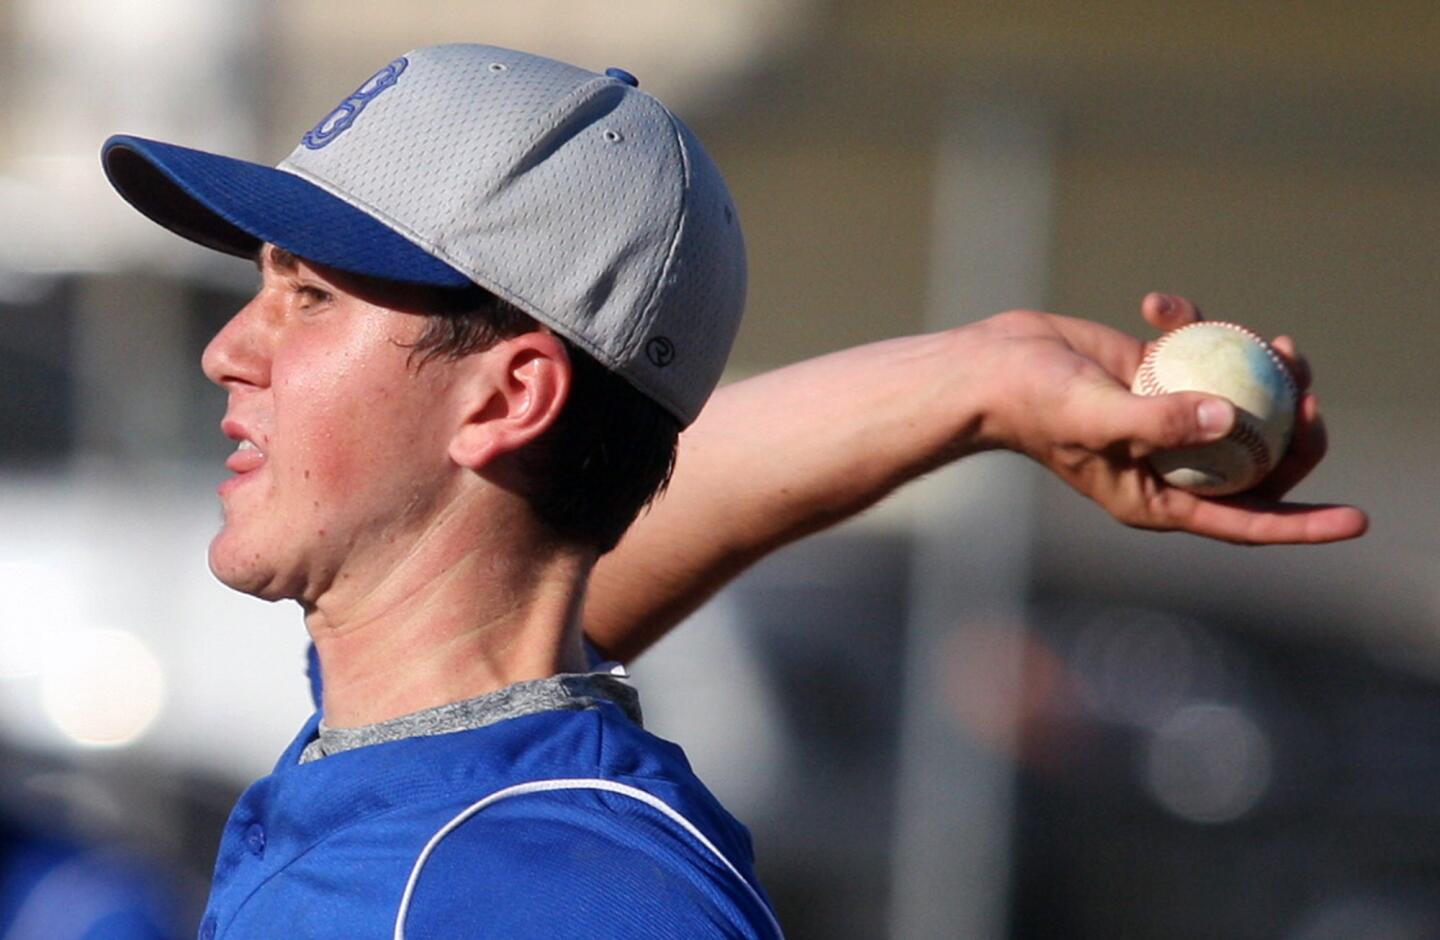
[778,457]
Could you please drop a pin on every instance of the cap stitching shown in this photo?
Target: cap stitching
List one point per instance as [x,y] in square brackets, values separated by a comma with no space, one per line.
[649,308]
[656,389]
[564,108]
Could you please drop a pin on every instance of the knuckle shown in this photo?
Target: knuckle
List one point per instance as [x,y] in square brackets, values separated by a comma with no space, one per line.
[1140,516]
[1015,320]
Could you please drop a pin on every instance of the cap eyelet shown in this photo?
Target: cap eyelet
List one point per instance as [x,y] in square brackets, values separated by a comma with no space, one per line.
[498,66]
[613,136]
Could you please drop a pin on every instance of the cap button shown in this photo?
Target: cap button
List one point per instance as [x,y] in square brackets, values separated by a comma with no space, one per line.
[620,75]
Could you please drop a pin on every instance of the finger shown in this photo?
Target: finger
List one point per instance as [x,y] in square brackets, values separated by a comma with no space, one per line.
[1296,363]
[1107,415]
[1308,444]
[1299,366]
[1253,521]
[1169,311]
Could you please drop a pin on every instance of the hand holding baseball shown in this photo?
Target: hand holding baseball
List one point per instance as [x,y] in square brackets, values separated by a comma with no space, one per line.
[1060,393]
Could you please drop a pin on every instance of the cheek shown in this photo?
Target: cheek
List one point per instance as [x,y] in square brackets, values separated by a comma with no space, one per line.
[355,429]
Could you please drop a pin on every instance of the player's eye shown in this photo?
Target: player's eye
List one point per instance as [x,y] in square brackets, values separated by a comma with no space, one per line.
[310,295]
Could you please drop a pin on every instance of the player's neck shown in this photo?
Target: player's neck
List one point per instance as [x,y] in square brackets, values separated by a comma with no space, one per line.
[450,624]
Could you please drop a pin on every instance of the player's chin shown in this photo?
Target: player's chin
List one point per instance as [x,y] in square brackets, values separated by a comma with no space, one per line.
[242,568]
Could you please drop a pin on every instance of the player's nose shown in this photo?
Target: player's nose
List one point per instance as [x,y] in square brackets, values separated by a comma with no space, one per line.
[237,354]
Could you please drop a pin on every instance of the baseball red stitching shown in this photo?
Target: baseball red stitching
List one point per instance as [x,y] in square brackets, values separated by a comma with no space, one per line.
[1244,432]
[1275,357]
[1246,436]
[1149,385]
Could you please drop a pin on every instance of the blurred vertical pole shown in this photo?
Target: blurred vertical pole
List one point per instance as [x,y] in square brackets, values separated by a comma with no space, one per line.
[131,362]
[951,856]
[183,71]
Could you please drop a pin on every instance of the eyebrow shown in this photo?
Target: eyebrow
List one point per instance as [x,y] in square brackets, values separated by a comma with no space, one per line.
[280,258]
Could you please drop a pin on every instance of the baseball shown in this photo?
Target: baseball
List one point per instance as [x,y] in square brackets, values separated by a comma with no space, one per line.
[1231,361]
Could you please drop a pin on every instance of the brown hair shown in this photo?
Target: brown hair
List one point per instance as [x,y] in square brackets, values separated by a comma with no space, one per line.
[609,454]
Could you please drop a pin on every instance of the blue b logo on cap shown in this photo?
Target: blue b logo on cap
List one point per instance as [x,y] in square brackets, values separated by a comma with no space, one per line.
[336,122]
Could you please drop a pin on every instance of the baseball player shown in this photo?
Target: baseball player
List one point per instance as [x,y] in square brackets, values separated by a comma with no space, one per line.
[493,289]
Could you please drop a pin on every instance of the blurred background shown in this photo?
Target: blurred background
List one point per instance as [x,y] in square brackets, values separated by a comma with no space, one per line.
[983,710]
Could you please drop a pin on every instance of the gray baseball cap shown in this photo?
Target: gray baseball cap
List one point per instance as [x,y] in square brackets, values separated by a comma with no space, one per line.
[571,194]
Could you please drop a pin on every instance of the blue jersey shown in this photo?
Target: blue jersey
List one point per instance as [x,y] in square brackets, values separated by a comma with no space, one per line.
[559,824]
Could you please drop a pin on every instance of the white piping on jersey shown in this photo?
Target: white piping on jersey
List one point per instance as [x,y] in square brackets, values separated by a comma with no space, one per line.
[545,786]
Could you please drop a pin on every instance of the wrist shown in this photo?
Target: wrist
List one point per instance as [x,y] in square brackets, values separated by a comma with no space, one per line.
[982,409]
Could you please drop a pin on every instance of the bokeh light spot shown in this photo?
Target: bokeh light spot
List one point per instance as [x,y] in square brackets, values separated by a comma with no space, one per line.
[1209,763]
[102,688]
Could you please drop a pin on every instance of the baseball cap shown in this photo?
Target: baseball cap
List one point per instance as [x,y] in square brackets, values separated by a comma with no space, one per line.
[572,194]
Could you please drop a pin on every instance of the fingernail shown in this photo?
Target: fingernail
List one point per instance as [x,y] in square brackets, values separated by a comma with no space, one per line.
[1214,417]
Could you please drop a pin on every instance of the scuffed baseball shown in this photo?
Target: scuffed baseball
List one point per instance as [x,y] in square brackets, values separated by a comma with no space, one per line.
[1231,361]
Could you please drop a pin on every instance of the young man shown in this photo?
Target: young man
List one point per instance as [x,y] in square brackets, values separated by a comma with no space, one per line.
[493,289]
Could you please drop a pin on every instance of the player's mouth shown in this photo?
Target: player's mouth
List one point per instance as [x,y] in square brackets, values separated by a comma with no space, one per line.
[247,457]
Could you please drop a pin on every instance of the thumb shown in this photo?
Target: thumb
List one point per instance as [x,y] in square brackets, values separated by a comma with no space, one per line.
[1154,422]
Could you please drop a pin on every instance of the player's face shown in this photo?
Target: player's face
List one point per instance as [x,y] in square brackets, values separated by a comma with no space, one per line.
[341,440]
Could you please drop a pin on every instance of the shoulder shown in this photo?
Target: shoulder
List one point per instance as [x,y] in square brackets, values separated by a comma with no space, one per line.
[561,861]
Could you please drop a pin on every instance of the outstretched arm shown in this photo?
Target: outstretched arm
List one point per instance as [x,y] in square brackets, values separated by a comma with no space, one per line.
[790,452]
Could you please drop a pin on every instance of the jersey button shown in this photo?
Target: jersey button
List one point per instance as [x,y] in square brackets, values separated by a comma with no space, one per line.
[255,839]
[207,928]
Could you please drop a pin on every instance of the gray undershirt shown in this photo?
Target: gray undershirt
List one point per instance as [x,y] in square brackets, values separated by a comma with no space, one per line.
[565,692]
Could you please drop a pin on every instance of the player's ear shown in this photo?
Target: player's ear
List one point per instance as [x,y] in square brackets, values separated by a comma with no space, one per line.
[514,393]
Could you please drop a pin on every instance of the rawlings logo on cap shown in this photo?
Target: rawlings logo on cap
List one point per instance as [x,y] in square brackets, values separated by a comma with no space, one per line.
[336,122]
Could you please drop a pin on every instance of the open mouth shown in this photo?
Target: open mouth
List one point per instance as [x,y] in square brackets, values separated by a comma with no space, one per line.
[246,459]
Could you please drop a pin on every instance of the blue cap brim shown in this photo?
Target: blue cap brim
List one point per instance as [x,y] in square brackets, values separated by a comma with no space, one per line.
[234,206]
